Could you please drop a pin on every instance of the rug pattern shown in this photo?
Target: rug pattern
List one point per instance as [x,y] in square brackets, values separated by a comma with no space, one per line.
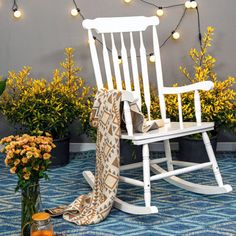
[180,212]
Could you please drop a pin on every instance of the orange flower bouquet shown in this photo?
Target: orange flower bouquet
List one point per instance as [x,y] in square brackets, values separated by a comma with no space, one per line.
[28,157]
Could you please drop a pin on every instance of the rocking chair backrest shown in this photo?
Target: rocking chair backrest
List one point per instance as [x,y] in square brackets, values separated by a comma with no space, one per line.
[122,27]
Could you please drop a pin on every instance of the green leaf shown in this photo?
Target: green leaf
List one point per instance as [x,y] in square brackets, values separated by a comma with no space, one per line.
[2,86]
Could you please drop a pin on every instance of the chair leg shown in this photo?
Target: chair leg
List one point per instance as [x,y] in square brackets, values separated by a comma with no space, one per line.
[146,176]
[168,155]
[212,158]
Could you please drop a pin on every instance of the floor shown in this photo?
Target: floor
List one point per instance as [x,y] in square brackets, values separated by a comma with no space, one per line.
[180,212]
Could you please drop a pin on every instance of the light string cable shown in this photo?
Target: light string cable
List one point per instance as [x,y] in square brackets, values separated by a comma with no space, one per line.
[177,26]
[101,43]
[15,6]
[159,7]
[16,12]
[78,10]
[154,5]
[177,5]
[163,7]
[95,38]
[199,27]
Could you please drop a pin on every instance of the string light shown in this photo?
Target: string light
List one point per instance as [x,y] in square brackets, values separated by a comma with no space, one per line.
[119,59]
[187,4]
[175,35]
[152,57]
[127,1]
[190,4]
[193,4]
[76,11]
[16,12]
[160,11]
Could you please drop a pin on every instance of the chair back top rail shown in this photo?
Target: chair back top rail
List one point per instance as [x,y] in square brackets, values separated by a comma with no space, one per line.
[120,24]
[132,51]
[125,36]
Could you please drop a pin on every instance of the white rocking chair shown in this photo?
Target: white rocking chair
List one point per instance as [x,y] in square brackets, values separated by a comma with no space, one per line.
[126,27]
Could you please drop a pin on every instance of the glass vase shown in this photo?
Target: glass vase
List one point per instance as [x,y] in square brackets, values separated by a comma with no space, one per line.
[30,204]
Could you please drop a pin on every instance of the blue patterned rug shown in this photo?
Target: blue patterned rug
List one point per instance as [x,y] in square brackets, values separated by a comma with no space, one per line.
[180,212]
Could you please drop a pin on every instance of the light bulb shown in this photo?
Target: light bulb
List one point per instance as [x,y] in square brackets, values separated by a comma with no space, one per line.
[151,57]
[93,40]
[127,1]
[17,14]
[175,35]
[160,12]
[187,4]
[119,59]
[193,4]
[74,12]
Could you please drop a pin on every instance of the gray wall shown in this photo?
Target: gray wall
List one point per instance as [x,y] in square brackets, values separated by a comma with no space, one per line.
[46,28]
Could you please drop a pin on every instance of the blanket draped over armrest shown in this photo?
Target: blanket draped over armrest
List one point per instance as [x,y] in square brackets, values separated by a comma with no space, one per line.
[105,116]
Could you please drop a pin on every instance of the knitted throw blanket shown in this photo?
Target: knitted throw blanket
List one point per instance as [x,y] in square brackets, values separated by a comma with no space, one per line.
[96,205]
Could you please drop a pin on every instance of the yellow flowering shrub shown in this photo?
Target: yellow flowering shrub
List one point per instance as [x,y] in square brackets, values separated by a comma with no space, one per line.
[218,104]
[37,104]
[28,157]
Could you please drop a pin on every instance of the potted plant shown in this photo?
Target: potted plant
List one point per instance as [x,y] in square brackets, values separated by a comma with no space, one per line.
[217,105]
[28,157]
[48,106]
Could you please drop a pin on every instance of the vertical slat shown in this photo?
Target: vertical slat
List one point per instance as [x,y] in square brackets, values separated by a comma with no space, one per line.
[159,72]
[128,118]
[180,111]
[127,112]
[145,75]
[197,105]
[146,175]
[107,63]
[125,64]
[135,69]
[95,61]
[116,63]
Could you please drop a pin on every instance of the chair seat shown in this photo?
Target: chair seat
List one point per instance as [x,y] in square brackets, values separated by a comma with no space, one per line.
[169,131]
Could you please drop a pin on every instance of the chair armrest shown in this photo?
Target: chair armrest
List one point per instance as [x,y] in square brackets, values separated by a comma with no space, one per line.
[204,85]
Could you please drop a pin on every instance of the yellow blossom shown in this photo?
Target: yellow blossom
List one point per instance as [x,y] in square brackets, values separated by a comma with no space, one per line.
[13,170]
[29,154]
[17,151]
[16,162]
[46,156]
[26,176]
[36,167]
[48,148]
[24,160]
[10,154]
[22,152]
[6,161]
[8,147]
[37,155]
